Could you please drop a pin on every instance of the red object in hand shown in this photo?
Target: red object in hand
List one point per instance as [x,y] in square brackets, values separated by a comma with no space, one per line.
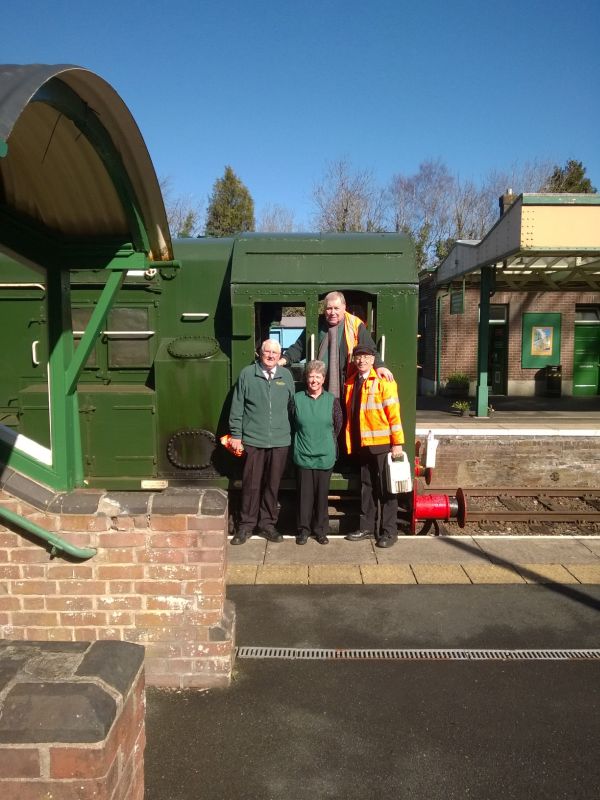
[226,442]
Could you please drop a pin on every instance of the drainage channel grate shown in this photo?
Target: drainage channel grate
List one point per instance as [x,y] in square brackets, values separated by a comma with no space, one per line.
[318,654]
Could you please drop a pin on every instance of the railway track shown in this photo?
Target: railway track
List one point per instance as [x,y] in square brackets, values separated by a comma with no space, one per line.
[535,507]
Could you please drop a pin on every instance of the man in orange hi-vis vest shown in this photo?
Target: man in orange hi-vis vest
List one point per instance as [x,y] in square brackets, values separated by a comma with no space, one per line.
[339,333]
[373,430]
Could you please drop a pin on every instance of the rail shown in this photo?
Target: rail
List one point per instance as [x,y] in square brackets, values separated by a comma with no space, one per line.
[58,544]
[549,505]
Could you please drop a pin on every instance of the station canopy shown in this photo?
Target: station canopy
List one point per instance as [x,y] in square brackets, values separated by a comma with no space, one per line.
[76,180]
[542,242]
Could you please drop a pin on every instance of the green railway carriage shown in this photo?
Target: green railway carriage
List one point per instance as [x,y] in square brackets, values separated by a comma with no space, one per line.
[153,396]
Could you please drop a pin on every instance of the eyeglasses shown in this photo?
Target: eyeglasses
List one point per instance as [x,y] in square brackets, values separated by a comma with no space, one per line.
[362,357]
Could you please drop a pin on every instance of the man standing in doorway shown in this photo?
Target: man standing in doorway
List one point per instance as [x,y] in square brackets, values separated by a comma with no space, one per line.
[339,333]
[373,429]
[259,423]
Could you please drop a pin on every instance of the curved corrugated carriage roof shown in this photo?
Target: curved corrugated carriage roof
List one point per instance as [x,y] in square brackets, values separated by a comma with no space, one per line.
[76,170]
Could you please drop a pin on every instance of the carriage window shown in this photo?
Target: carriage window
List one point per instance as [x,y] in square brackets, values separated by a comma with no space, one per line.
[129,337]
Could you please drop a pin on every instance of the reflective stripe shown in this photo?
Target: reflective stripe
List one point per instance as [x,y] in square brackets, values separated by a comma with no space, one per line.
[396,428]
[375,434]
[371,404]
[390,401]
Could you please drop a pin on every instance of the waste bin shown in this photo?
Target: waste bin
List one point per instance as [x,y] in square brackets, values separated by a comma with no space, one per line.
[554,381]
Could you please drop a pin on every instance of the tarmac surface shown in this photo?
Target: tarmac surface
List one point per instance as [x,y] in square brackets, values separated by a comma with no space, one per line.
[415,728]
[380,728]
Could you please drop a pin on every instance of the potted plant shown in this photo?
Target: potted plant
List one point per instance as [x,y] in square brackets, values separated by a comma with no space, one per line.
[462,407]
[457,385]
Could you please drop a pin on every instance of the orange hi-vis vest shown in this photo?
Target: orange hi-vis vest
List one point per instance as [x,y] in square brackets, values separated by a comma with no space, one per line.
[351,326]
[380,421]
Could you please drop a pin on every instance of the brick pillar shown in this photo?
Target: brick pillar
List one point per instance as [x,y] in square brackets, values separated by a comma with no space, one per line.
[72,721]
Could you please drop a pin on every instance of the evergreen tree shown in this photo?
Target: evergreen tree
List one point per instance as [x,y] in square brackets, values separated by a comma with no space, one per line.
[570,178]
[230,207]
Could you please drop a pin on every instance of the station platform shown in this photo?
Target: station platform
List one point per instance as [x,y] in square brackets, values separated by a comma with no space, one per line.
[419,560]
[579,416]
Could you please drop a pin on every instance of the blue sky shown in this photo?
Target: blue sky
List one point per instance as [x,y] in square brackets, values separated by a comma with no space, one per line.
[279,89]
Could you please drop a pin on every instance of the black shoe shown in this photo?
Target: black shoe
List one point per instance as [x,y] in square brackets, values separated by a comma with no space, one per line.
[301,538]
[240,537]
[387,540]
[357,536]
[272,536]
[322,539]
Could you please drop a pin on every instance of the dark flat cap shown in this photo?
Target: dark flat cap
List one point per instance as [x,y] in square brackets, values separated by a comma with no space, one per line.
[364,350]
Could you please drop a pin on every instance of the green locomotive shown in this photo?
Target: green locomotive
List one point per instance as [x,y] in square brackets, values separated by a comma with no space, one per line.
[154,394]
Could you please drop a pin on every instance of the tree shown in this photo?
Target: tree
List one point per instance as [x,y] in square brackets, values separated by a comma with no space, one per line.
[276,219]
[436,207]
[420,206]
[570,178]
[348,200]
[230,207]
[183,214]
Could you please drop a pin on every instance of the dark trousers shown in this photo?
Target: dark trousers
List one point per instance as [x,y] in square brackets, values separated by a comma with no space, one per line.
[313,506]
[374,492]
[263,468]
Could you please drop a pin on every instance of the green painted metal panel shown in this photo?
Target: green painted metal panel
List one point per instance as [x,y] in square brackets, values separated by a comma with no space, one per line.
[119,431]
[586,361]
[541,340]
[327,259]
[561,200]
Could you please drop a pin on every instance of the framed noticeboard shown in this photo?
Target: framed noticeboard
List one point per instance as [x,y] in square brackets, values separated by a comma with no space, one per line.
[457,299]
[541,340]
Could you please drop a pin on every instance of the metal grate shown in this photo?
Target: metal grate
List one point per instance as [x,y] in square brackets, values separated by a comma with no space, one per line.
[320,654]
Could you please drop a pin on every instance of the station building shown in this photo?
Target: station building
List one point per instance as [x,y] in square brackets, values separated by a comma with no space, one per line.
[536,277]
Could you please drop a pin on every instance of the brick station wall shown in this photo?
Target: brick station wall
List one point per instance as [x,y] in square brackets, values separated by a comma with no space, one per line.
[157,580]
[532,461]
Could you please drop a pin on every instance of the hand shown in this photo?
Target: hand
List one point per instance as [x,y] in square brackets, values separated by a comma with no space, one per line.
[396,450]
[236,444]
[384,374]
[282,362]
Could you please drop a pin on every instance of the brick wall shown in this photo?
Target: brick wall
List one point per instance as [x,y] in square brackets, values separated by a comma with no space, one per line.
[157,580]
[537,462]
[459,333]
[68,734]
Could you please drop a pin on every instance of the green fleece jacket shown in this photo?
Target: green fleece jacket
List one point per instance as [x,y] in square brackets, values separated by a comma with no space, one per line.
[260,409]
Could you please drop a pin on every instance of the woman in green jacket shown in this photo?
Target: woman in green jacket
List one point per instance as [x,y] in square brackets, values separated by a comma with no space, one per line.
[317,423]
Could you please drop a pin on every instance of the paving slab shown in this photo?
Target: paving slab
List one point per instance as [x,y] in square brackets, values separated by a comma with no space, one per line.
[537,551]
[253,552]
[338,551]
[387,573]
[282,573]
[440,573]
[429,550]
[240,574]
[334,573]
[492,573]
[592,544]
[586,573]
[546,573]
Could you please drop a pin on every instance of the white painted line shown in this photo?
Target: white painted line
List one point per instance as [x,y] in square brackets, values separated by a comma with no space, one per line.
[514,432]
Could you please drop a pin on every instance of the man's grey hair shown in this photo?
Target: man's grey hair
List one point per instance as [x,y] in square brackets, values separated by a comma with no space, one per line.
[335,296]
[316,366]
[275,345]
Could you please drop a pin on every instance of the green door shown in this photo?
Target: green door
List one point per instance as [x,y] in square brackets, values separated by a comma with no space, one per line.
[586,362]
[497,358]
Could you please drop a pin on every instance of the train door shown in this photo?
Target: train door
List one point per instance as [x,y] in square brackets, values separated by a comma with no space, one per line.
[586,360]
[24,359]
[498,349]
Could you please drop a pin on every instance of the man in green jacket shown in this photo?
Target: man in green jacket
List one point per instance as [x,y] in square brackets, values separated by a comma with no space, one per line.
[259,423]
